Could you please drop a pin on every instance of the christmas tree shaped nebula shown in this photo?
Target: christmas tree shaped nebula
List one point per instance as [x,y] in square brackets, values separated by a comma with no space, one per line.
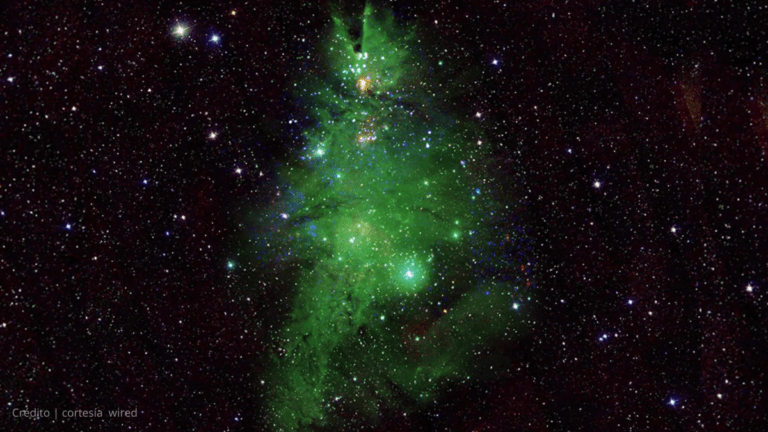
[389,218]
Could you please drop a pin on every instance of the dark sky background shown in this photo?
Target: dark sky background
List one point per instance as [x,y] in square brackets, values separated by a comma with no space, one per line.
[636,137]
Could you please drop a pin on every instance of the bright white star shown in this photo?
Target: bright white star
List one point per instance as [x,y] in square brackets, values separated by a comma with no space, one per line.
[180,31]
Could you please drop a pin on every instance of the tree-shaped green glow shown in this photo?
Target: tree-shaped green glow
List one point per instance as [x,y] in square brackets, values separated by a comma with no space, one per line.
[387,214]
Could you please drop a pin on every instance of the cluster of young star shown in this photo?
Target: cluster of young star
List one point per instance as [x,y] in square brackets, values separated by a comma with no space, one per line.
[384,206]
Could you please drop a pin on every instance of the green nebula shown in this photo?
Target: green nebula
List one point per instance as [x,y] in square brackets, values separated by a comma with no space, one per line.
[387,217]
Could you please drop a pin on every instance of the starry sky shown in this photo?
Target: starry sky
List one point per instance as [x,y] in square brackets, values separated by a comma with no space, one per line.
[628,143]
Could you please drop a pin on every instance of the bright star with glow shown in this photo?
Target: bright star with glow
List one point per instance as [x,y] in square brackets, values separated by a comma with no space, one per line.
[180,31]
[750,288]
[215,38]
[596,184]
[672,402]
[409,274]
[212,135]
[364,83]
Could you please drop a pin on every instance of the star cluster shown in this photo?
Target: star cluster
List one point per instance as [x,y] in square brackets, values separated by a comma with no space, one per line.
[535,216]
